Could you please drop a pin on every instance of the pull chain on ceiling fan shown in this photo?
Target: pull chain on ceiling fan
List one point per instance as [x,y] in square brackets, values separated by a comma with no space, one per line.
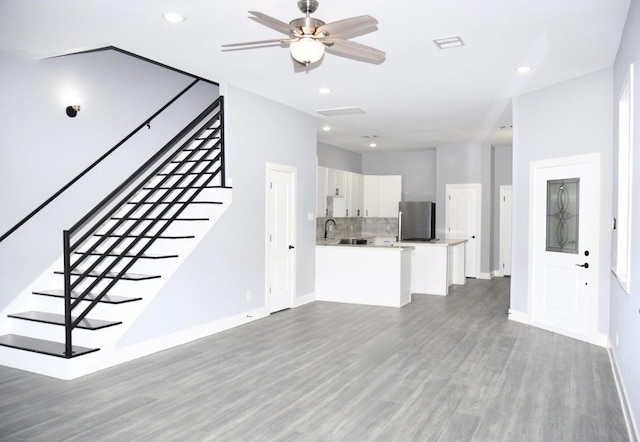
[309,37]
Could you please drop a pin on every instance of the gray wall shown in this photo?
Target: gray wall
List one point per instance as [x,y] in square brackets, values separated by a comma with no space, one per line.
[42,149]
[625,316]
[230,261]
[466,164]
[502,159]
[570,118]
[418,170]
[338,158]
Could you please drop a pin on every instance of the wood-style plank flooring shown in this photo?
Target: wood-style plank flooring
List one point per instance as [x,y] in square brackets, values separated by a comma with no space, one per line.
[439,369]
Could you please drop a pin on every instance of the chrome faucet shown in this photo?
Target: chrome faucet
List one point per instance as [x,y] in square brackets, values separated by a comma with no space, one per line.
[326,226]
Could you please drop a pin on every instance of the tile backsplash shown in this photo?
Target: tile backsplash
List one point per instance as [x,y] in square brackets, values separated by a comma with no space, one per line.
[356,226]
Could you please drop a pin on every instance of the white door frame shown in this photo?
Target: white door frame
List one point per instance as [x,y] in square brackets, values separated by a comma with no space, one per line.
[594,337]
[505,236]
[294,195]
[478,189]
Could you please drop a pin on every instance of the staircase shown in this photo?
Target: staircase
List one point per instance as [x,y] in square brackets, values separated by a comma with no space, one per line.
[121,253]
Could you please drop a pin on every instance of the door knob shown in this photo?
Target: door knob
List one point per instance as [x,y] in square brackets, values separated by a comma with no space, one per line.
[473,237]
[291,247]
[585,265]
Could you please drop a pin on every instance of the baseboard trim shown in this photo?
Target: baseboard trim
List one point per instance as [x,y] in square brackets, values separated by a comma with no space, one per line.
[304,299]
[519,316]
[483,275]
[632,427]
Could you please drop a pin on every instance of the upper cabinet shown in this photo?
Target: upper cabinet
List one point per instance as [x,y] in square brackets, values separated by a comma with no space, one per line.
[390,195]
[336,182]
[382,193]
[357,195]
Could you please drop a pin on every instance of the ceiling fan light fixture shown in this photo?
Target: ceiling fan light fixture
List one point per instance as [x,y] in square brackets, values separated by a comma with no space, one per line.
[306,50]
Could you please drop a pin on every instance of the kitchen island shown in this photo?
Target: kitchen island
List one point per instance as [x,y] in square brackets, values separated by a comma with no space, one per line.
[363,274]
[435,265]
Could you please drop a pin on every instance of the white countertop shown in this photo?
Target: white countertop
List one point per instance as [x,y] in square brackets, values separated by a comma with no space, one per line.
[335,243]
[440,242]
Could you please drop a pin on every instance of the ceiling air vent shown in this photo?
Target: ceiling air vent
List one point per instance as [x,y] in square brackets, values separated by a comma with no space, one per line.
[448,42]
[338,111]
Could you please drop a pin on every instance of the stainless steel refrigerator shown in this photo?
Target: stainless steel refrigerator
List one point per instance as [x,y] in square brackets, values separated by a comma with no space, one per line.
[416,221]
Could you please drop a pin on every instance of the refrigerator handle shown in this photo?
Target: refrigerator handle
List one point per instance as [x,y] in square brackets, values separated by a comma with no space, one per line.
[399,225]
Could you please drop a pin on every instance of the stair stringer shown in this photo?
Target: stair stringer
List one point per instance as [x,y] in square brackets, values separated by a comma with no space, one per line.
[107,339]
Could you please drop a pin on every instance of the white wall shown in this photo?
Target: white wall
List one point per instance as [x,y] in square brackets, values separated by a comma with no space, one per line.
[41,149]
[625,313]
[230,261]
[570,118]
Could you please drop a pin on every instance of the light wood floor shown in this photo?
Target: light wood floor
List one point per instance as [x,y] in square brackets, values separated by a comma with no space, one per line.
[438,369]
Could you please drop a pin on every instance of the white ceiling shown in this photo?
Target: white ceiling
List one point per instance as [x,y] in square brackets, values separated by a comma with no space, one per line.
[420,97]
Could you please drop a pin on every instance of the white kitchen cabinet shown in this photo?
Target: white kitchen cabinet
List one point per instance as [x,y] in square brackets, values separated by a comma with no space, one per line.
[354,194]
[336,182]
[363,275]
[390,195]
[382,193]
[436,265]
[321,192]
[371,195]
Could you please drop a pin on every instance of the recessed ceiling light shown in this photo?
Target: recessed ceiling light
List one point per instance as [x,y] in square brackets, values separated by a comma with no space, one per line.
[448,42]
[523,69]
[324,90]
[326,128]
[372,145]
[173,17]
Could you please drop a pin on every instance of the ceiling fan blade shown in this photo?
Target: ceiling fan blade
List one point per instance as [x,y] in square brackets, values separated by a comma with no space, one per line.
[349,26]
[354,50]
[257,42]
[272,23]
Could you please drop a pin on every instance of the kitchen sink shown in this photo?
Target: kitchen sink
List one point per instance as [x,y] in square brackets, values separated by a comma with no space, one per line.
[353,241]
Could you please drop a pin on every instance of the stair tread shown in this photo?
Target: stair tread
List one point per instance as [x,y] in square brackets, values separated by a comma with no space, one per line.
[185,187]
[193,161]
[145,255]
[42,346]
[111,275]
[174,202]
[107,299]
[56,319]
[136,218]
[185,173]
[190,149]
[148,236]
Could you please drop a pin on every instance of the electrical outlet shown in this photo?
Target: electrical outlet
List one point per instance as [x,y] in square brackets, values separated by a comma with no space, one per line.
[249,295]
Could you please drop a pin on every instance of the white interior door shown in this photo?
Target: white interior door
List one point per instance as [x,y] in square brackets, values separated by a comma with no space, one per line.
[564,277]
[463,222]
[505,230]
[281,254]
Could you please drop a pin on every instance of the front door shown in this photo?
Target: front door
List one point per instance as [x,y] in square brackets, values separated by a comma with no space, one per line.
[565,245]
[462,220]
[281,256]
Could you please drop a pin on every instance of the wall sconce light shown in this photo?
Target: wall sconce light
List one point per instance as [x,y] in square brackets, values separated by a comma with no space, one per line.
[73,110]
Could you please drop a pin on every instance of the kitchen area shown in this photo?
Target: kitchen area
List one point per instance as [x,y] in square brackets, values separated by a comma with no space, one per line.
[373,248]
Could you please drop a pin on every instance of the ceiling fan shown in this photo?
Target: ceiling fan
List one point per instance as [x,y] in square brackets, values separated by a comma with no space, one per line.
[309,37]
